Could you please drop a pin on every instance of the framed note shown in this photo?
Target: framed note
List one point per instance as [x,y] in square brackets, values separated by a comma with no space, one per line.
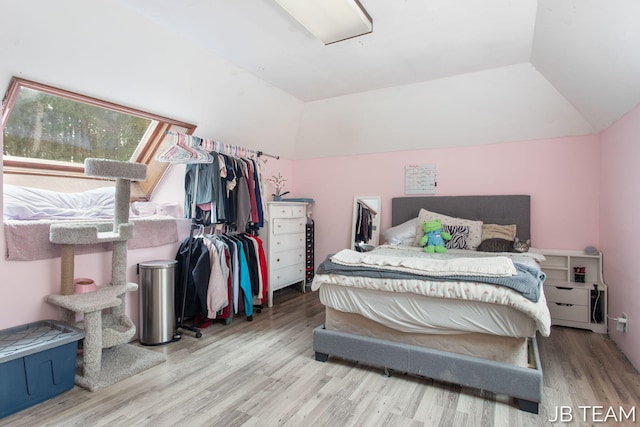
[420,179]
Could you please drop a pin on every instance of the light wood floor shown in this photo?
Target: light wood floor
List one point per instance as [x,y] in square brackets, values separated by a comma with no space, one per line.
[263,373]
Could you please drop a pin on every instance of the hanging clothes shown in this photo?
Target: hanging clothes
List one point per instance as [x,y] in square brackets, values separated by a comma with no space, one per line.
[227,273]
[203,188]
[225,262]
[217,296]
[198,269]
[259,191]
[262,267]
[364,224]
[219,189]
[243,201]
[227,191]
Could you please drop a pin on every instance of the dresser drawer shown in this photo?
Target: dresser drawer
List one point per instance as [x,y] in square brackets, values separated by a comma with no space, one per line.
[281,277]
[575,313]
[287,258]
[288,211]
[288,225]
[566,295]
[285,242]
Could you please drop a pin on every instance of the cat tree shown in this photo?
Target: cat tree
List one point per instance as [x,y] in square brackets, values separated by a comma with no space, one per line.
[106,356]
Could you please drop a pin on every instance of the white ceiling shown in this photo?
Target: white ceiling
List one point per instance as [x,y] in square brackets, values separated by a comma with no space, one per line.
[587,50]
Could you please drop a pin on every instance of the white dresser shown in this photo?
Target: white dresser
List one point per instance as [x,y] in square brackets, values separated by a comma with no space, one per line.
[286,245]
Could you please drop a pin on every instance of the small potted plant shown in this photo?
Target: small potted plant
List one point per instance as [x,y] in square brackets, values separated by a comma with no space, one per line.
[278,182]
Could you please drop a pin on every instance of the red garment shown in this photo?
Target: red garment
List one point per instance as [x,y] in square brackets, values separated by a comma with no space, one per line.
[263,269]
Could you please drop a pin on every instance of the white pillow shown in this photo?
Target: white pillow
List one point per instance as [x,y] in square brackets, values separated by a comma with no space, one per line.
[402,234]
[475,227]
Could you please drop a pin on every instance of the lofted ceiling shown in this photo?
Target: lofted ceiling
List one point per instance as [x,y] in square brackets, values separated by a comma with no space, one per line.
[588,51]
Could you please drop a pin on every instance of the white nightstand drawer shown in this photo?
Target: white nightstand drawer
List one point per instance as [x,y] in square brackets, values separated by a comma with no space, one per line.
[566,295]
[288,225]
[287,258]
[575,313]
[282,277]
[287,211]
[285,242]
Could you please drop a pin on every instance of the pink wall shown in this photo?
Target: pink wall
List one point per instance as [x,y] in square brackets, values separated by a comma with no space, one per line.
[619,230]
[561,175]
[25,285]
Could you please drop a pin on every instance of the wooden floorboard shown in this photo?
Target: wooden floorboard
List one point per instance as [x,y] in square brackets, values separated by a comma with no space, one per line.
[263,373]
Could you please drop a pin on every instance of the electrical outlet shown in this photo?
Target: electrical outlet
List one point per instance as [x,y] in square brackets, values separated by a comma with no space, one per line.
[622,323]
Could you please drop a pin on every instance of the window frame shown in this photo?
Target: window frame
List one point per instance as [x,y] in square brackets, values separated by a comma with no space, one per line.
[154,141]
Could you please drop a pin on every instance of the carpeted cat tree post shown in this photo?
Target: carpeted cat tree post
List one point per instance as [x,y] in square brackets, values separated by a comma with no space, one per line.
[107,357]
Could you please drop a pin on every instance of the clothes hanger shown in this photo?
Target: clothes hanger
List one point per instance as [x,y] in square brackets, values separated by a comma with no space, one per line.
[200,232]
[192,143]
[176,154]
[184,151]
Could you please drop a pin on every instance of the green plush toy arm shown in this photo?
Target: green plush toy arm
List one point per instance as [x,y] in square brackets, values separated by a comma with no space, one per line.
[445,235]
[424,240]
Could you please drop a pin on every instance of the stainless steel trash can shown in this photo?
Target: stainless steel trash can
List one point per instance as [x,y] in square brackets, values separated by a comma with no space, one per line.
[157,313]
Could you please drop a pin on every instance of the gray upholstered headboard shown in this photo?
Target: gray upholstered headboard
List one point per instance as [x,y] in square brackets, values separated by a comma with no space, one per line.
[502,210]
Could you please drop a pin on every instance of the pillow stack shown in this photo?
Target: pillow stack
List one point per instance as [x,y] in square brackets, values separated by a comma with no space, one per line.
[465,233]
[474,227]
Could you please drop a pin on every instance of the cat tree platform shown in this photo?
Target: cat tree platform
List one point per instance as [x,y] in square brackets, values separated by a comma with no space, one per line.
[107,356]
[116,329]
[106,336]
[89,233]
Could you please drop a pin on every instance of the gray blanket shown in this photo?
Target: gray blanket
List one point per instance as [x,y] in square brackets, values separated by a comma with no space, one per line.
[527,281]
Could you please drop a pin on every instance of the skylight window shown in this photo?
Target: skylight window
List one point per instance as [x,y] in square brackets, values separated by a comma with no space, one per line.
[50,131]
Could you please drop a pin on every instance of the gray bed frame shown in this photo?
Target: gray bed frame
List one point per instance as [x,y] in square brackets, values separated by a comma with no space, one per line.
[524,384]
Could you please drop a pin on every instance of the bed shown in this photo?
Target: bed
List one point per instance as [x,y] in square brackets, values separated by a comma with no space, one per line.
[29,213]
[441,315]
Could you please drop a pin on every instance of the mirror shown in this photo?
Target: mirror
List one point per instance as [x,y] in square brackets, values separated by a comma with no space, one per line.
[365,228]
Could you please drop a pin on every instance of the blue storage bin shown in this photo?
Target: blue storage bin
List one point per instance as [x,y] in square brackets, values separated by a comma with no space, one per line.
[37,362]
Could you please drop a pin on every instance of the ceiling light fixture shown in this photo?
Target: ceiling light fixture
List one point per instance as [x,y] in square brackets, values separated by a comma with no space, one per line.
[330,20]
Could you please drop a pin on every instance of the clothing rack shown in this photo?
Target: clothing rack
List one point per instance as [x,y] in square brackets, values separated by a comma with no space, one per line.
[363,225]
[191,149]
[369,208]
[212,145]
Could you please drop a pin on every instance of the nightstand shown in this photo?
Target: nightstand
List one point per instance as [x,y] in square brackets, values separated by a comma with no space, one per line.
[575,290]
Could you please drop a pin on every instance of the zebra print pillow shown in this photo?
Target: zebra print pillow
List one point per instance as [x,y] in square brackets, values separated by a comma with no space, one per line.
[459,235]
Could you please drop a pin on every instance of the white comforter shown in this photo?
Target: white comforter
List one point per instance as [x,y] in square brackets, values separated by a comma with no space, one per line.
[458,290]
[495,266]
[26,203]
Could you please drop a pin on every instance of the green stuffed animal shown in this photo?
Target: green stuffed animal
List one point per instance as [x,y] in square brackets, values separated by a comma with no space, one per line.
[434,237]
